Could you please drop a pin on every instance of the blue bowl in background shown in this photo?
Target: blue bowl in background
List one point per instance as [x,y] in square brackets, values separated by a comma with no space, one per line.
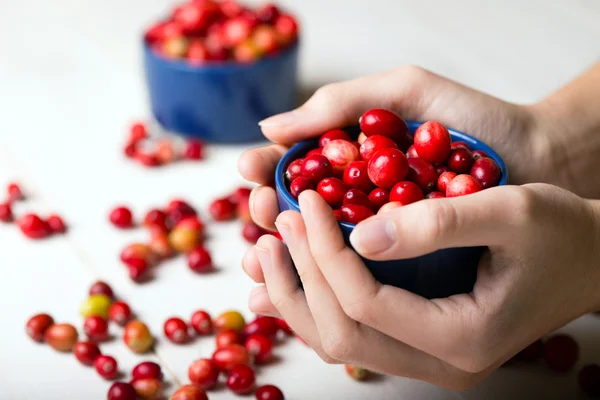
[439,274]
[220,103]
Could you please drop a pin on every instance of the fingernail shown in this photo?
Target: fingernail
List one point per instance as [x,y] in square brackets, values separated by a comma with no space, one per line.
[284,231]
[373,236]
[264,257]
[287,118]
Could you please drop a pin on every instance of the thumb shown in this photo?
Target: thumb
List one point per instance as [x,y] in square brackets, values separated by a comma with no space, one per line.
[487,218]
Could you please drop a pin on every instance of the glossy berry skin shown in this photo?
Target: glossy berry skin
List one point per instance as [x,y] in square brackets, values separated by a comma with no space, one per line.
[422,173]
[432,142]
[486,172]
[287,27]
[178,210]
[340,153]
[333,134]
[121,217]
[189,392]
[294,170]
[284,327]
[260,347]
[222,210]
[86,352]
[589,380]
[147,370]
[37,325]
[316,167]
[137,337]
[56,224]
[6,214]
[378,197]
[269,392]
[147,388]
[332,190]
[156,218]
[459,145]
[299,185]
[317,151]
[444,179]
[119,313]
[229,320]
[33,226]
[388,167]
[204,373]
[462,185]
[199,260]
[266,326]
[106,366]
[61,337]
[201,322]
[440,169]
[121,391]
[561,352]
[460,161]
[356,176]
[252,232]
[412,152]
[435,195]
[100,287]
[354,213]
[373,144]
[356,373]
[227,337]
[355,196]
[176,330]
[383,122]
[96,328]
[477,154]
[406,192]
[241,379]
[228,357]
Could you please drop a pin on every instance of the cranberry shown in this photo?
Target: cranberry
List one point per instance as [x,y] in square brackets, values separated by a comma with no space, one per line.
[236,30]
[269,392]
[318,151]
[33,226]
[299,185]
[240,194]
[164,152]
[316,167]
[246,52]
[266,39]
[199,260]
[340,153]
[228,336]
[146,159]
[479,154]
[284,327]
[204,373]
[412,152]
[375,143]
[440,169]
[333,134]
[589,380]
[189,392]
[230,320]
[190,223]
[6,214]
[268,13]
[147,388]
[287,27]
[121,391]
[378,197]
[252,232]
[137,132]
[201,322]
[266,326]
[100,287]
[356,176]
[561,352]
[159,244]
[406,192]
[383,122]
[435,195]
[459,145]
[533,352]
[432,142]
[228,357]
[222,210]
[332,190]
[388,167]
[241,379]
[130,150]
[260,347]
[37,325]
[354,213]
[14,192]
[147,369]
[86,352]
[462,185]
[176,330]
[136,254]
[294,170]
[106,366]
[156,218]
[486,172]
[357,373]
[444,179]
[97,304]
[137,337]
[460,160]
[389,206]
[61,337]
[197,54]
[178,210]
[422,173]
[184,240]
[138,273]
[355,196]
[194,17]
[56,224]
[121,217]
[96,328]
[231,8]
[337,214]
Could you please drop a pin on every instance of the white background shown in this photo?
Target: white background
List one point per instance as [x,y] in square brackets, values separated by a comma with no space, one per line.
[70,82]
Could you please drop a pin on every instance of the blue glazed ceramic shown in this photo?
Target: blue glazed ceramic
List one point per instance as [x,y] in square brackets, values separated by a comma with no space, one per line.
[220,103]
[440,274]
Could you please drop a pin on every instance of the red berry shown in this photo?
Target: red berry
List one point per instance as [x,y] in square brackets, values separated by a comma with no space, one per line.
[240,194]
[266,39]
[194,17]
[106,366]
[222,210]
[378,197]
[37,326]
[479,154]
[189,392]
[337,214]
[333,134]
[130,150]
[406,192]
[354,213]
[283,326]
[227,337]
[355,196]
[199,260]
[486,172]
[228,357]
[86,352]
[444,179]
[236,30]
[197,53]
[14,192]
[462,185]
[432,142]
[135,254]
[266,326]
[252,232]
[317,151]
[241,379]
[356,176]
[267,13]
[178,210]
[6,214]
[147,370]
[137,337]
[137,132]
[299,185]
[440,169]
[373,144]
[121,391]
[56,224]
[193,150]
[589,380]
[100,287]
[435,195]
[332,190]
[138,272]
[422,173]
[176,330]
[533,352]
[388,167]
[385,123]
[561,352]
[146,159]
[61,337]
[119,312]
[294,170]
[147,388]
[204,373]
[121,217]
[260,347]
[201,322]
[316,167]
[269,392]
[340,153]
[411,152]
[287,27]
[156,218]
[460,160]
[96,328]
[33,226]
[459,145]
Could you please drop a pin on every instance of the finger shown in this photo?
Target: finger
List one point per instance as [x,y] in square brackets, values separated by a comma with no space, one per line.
[264,207]
[251,266]
[260,303]
[258,164]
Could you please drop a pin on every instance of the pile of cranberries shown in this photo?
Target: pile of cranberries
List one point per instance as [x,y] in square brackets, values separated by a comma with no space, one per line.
[208,31]
[30,224]
[387,167]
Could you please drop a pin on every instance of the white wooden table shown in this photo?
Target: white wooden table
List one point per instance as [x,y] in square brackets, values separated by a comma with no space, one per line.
[70,82]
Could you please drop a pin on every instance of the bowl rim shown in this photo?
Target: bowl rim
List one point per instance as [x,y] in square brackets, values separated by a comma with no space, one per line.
[290,156]
[227,67]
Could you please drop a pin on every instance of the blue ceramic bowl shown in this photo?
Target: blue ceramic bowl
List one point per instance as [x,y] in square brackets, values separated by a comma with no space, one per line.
[220,103]
[440,274]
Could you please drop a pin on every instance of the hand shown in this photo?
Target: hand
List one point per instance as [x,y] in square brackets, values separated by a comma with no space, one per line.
[540,272]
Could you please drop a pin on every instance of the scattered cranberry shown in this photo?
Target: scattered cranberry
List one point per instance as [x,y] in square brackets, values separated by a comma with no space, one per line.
[86,352]
[242,193]
[299,185]
[340,153]
[561,352]
[147,388]
[533,352]
[332,190]
[184,240]
[385,123]
[228,357]
[230,320]
[137,337]
[486,172]
[266,326]
[252,232]
[96,328]
[406,192]
[432,142]
[373,144]
[241,379]
[37,325]
[444,179]
[294,170]
[199,260]
[260,347]
[226,337]
[6,214]
[189,392]
[355,196]
[204,373]
[137,132]
[14,192]
[61,337]
[284,327]
[146,159]
[357,373]
[243,210]
[589,380]
[201,322]
[100,287]
[354,213]
[121,391]
[147,369]
[178,210]
[356,176]
[160,245]
[269,392]
[479,154]
[422,173]
[165,154]
[268,13]
[388,167]
[462,185]
[222,210]
[176,330]
[33,226]
[121,217]
[130,150]
[106,366]
[56,224]
[156,217]
[333,134]
[138,273]
[316,167]
[412,152]
[378,197]
[435,195]
[136,254]
[194,150]
[460,160]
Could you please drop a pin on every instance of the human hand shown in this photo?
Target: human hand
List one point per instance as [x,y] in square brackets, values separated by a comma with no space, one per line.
[540,272]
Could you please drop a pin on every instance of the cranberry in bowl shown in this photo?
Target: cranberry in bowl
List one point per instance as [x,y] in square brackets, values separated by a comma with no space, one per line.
[421,162]
[214,69]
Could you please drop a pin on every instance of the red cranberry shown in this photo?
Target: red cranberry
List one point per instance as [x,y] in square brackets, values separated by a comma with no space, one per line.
[284,327]
[61,337]
[228,337]
[56,224]
[372,144]
[6,214]
[462,185]
[178,210]
[266,326]
[204,373]
[106,366]
[333,134]
[355,196]
[269,392]
[479,154]
[146,159]
[156,218]
[268,13]
[96,328]
[260,347]
[228,357]
[459,145]
[137,337]
[137,132]
[176,330]
[388,167]
[130,150]
[138,272]
[356,176]
[136,254]
[435,195]
[317,151]
[533,352]
[86,352]
[299,185]
[201,322]
[37,326]
[189,392]
[332,190]
[589,380]
[337,214]
[406,192]
[121,217]
[287,27]
[432,142]
[460,160]
[236,30]
[354,213]
[486,172]
[378,197]
[14,192]
[199,260]
[561,352]
[440,169]
[33,226]
[193,150]
[147,388]
[340,153]
[412,152]
[444,179]
[147,370]
[383,122]
[294,170]
[121,391]
[222,210]
[119,312]
[240,194]
[231,8]
[197,53]
[252,232]
[422,173]
[194,17]
[241,379]
[100,287]
[316,168]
